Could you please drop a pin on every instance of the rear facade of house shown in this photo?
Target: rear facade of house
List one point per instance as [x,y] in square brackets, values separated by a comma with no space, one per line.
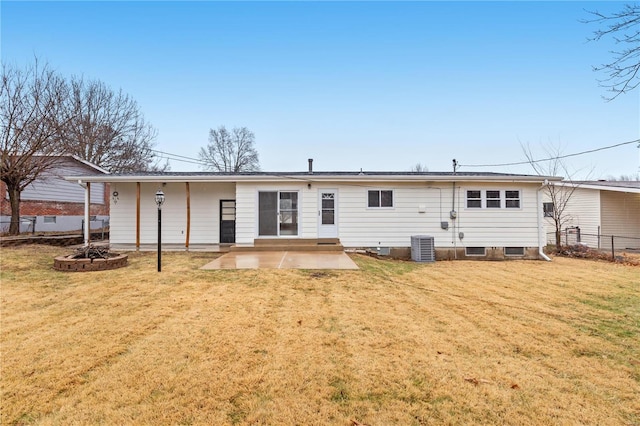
[481,216]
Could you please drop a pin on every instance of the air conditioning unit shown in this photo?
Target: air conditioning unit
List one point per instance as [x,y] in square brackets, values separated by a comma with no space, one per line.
[423,248]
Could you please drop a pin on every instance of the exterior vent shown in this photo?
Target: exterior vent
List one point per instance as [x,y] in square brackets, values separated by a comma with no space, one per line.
[423,248]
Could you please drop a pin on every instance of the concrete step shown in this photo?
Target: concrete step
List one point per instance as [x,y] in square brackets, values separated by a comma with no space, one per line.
[295,241]
[315,248]
[291,244]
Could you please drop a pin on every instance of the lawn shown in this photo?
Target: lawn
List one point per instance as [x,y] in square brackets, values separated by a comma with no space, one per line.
[517,342]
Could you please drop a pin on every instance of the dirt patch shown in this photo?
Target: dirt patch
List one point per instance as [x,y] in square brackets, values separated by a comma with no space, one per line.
[580,251]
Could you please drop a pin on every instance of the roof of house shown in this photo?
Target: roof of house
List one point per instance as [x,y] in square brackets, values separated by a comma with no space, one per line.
[87,163]
[315,176]
[607,185]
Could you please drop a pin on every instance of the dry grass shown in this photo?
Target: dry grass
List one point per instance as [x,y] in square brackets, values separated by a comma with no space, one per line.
[394,343]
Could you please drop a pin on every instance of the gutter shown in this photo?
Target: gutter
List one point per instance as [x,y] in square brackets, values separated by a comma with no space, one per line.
[306,178]
[540,225]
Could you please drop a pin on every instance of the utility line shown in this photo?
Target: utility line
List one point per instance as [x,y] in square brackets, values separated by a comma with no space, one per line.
[176,157]
[551,158]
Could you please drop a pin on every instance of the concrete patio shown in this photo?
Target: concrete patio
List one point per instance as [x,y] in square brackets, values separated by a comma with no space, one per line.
[282,260]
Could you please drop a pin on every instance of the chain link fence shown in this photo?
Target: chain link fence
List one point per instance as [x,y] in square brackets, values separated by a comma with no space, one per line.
[604,242]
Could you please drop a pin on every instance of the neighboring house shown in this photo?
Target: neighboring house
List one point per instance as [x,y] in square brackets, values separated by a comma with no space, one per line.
[600,209]
[52,203]
[483,215]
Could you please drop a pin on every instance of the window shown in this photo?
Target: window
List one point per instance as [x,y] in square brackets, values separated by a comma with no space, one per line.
[475,251]
[49,219]
[514,251]
[548,209]
[493,200]
[474,199]
[380,198]
[277,213]
[512,199]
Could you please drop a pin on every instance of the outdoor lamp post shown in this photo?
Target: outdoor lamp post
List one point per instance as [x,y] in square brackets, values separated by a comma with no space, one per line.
[159,202]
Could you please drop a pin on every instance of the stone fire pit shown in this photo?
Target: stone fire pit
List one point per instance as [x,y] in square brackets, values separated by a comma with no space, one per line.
[91,258]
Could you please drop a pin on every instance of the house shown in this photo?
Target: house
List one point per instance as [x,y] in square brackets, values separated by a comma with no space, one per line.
[598,210]
[479,215]
[52,203]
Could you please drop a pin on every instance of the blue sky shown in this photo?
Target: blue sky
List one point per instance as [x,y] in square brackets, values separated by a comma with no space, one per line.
[371,85]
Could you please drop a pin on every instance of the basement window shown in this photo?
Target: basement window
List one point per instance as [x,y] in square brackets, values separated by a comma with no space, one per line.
[514,251]
[475,251]
[49,219]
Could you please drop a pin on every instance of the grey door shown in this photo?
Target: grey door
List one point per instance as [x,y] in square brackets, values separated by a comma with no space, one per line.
[227,221]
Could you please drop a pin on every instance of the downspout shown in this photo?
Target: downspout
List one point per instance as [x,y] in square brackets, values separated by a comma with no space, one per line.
[540,224]
[453,214]
[186,242]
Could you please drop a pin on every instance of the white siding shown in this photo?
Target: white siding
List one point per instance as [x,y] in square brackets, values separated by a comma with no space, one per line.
[52,187]
[205,213]
[620,213]
[500,227]
[246,213]
[583,210]
[205,210]
[361,226]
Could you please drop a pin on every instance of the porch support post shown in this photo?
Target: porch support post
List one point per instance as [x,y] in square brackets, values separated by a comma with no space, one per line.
[87,205]
[137,216]
[186,243]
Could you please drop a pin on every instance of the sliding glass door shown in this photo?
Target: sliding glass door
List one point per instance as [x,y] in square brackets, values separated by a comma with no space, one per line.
[277,213]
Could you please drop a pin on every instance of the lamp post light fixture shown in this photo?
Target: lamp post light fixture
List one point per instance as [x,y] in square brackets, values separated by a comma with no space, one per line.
[159,202]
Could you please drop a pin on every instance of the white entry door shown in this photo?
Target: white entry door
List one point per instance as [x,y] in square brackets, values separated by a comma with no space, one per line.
[328,213]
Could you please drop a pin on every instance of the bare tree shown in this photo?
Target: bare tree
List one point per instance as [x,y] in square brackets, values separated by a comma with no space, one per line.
[32,116]
[230,151]
[108,129]
[558,195]
[625,178]
[420,168]
[623,72]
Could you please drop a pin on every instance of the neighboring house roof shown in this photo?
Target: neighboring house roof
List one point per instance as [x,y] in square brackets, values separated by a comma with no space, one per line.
[86,163]
[606,185]
[313,177]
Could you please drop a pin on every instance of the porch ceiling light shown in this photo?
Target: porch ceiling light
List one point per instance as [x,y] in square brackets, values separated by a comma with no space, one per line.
[159,198]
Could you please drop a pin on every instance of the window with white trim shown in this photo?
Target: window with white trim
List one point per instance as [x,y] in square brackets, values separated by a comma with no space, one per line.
[548,209]
[493,200]
[380,198]
[474,199]
[512,199]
